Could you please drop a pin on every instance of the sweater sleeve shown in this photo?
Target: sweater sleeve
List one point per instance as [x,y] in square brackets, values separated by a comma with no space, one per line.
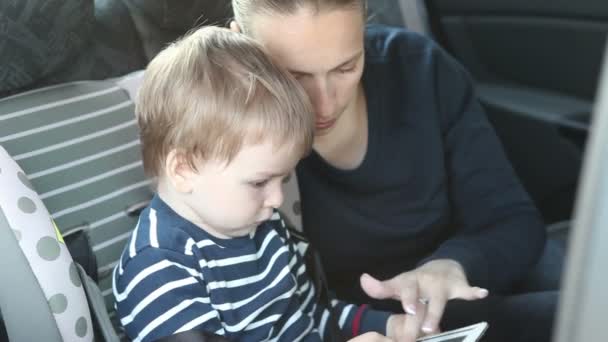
[499,233]
[351,319]
[159,293]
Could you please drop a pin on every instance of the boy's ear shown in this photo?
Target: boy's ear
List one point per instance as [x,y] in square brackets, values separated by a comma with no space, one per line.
[234,27]
[179,172]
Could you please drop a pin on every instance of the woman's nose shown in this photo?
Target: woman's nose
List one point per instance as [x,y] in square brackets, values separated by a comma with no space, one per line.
[274,199]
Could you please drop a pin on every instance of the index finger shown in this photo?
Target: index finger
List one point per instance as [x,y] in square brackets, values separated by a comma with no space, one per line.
[415,310]
[409,298]
[411,329]
[435,309]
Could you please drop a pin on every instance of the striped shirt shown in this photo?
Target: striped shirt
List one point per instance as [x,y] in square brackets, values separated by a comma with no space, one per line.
[173,277]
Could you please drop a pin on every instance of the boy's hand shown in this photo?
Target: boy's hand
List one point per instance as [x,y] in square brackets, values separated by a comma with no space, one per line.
[395,328]
[370,337]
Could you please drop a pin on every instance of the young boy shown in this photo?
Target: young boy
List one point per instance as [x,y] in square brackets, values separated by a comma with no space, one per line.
[221,127]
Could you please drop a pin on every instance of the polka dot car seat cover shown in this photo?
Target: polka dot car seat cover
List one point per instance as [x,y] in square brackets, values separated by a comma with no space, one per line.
[45,251]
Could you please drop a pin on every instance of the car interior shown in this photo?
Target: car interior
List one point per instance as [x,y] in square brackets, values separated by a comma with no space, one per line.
[69,71]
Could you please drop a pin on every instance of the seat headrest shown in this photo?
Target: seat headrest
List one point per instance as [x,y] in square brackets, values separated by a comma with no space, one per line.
[185,14]
[39,37]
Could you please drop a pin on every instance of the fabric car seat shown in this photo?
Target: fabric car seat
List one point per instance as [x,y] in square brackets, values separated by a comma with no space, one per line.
[43,293]
[78,145]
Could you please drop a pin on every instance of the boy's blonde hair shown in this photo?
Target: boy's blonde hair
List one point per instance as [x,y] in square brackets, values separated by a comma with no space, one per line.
[212,91]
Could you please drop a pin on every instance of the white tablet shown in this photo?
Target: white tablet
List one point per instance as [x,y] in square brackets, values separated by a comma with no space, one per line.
[472,333]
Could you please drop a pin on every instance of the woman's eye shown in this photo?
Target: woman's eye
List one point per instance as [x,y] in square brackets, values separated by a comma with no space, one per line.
[259,184]
[346,70]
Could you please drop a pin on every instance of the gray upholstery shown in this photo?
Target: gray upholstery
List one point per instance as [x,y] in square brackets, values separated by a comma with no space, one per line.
[78,143]
[21,298]
[162,21]
[34,38]
[97,306]
[40,280]
[50,42]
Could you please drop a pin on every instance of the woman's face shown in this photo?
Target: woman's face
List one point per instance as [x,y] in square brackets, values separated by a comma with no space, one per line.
[323,50]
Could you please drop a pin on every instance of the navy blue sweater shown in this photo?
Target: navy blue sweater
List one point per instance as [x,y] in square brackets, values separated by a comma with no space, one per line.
[434,182]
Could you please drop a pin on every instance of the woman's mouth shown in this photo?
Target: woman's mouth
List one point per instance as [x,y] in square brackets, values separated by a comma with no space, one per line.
[324,124]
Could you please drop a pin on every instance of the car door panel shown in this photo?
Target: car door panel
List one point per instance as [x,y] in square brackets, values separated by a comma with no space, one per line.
[536,64]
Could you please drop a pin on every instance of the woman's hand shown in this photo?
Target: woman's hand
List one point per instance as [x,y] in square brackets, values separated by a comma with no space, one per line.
[423,293]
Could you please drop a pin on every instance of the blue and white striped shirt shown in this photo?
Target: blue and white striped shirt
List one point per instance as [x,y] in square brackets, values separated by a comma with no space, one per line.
[173,277]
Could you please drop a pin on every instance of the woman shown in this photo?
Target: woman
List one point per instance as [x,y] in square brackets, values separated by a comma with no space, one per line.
[407,181]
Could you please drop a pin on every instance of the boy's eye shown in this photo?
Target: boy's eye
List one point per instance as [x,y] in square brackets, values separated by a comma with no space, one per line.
[298,75]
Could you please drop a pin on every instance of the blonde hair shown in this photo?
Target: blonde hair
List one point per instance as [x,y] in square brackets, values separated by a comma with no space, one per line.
[245,9]
[212,91]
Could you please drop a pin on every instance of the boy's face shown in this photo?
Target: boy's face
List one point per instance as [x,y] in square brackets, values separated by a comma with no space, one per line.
[232,200]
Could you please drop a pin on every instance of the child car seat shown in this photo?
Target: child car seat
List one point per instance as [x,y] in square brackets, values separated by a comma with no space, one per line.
[43,292]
